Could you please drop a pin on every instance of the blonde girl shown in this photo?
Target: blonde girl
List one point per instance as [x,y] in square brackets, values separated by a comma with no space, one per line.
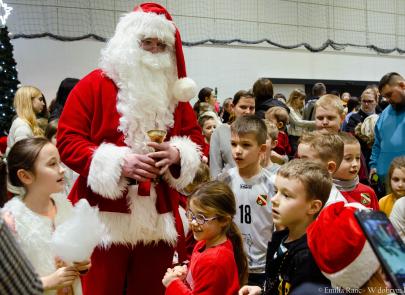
[28,103]
[34,164]
[218,264]
[396,184]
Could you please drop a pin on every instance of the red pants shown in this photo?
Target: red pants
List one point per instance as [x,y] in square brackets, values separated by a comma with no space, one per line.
[138,270]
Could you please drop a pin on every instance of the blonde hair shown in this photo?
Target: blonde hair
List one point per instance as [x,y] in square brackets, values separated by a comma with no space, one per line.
[23,105]
[272,130]
[329,147]
[330,100]
[278,113]
[294,96]
[397,163]
[348,138]
[201,176]
[314,177]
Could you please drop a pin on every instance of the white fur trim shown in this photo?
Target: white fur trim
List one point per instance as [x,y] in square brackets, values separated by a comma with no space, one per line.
[146,25]
[184,89]
[189,162]
[357,273]
[105,171]
[144,224]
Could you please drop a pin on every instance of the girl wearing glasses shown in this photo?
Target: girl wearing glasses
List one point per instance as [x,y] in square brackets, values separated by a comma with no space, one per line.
[28,103]
[218,263]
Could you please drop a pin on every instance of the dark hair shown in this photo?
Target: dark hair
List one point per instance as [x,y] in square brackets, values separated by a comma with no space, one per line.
[23,155]
[51,129]
[250,124]
[204,93]
[241,93]
[313,175]
[397,163]
[352,103]
[62,94]
[387,79]
[217,195]
[280,95]
[318,89]
[335,92]
[263,89]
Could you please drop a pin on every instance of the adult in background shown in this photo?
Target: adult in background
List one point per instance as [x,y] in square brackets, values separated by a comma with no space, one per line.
[263,93]
[389,139]
[206,101]
[103,135]
[368,104]
[318,90]
[226,110]
[297,125]
[62,94]
[220,145]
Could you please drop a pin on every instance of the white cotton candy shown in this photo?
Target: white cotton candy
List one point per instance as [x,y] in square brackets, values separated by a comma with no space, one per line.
[75,239]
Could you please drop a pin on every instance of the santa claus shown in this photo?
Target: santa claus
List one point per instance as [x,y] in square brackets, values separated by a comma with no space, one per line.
[103,135]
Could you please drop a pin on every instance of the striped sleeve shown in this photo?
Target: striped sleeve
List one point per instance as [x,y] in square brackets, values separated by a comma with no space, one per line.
[17,275]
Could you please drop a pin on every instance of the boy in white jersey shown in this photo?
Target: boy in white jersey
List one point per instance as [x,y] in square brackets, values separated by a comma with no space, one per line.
[253,187]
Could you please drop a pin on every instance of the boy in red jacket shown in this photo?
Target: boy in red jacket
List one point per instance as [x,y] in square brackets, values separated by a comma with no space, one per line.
[346,177]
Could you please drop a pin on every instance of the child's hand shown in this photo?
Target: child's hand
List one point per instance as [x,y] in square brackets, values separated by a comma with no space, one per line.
[62,277]
[250,290]
[169,277]
[180,271]
[83,266]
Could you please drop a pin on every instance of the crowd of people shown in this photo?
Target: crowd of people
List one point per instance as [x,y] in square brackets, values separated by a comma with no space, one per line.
[257,196]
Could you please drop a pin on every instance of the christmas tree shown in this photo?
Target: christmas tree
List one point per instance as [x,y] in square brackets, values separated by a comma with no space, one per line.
[8,81]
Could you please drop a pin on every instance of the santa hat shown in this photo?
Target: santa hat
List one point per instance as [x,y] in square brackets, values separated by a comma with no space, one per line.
[340,248]
[184,88]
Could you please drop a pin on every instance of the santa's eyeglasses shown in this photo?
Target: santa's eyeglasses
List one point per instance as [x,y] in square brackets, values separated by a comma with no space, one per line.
[149,44]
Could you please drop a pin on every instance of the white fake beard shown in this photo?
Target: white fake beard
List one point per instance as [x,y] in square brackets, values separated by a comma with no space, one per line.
[145,97]
[155,61]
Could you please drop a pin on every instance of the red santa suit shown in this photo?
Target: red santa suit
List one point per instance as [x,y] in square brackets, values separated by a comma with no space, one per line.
[100,125]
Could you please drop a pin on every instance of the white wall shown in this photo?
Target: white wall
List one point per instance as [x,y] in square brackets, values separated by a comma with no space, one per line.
[44,63]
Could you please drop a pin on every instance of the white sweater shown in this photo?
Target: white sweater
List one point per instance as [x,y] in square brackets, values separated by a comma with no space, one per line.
[19,130]
[34,234]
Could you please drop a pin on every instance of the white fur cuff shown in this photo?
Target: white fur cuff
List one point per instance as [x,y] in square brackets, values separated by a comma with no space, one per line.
[105,171]
[184,89]
[189,162]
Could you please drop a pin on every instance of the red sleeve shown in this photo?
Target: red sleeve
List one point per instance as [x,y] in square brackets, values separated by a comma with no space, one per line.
[75,125]
[212,274]
[190,127]
[287,144]
[208,278]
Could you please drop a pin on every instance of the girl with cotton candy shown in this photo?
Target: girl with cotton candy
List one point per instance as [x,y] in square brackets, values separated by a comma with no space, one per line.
[35,167]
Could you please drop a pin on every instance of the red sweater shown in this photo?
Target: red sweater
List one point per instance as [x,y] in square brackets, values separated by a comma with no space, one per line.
[213,271]
[364,195]
[283,145]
